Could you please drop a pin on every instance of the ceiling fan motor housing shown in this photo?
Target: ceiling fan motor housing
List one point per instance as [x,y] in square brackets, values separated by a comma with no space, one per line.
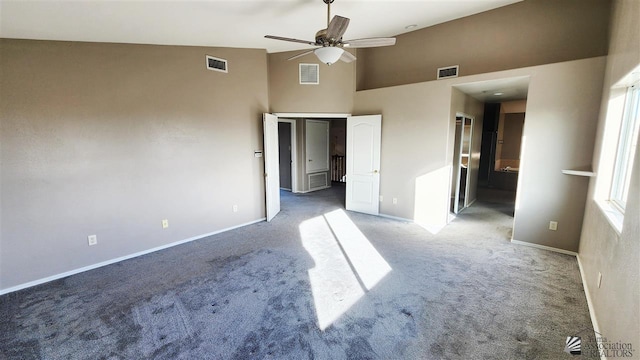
[321,37]
[322,40]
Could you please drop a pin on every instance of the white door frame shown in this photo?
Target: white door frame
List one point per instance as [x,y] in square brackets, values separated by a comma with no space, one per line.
[294,153]
[458,161]
[468,180]
[288,117]
[312,115]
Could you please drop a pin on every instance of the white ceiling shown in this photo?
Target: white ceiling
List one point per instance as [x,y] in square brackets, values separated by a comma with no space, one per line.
[499,90]
[238,23]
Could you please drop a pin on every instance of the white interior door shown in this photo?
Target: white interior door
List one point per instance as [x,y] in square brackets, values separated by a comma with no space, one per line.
[271,165]
[363,163]
[317,145]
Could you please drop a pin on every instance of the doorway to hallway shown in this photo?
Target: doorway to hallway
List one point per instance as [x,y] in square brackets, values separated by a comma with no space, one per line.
[300,147]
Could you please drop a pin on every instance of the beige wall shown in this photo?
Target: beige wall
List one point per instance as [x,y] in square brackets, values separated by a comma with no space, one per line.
[109,139]
[531,32]
[416,124]
[334,94]
[559,133]
[417,141]
[616,304]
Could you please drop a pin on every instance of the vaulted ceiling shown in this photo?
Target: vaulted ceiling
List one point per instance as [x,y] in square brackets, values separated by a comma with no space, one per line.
[237,23]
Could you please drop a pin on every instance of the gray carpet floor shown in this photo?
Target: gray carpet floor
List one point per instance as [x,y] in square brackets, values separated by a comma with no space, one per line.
[316,283]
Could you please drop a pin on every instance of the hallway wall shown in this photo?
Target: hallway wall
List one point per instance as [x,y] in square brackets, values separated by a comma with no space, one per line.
[417,140]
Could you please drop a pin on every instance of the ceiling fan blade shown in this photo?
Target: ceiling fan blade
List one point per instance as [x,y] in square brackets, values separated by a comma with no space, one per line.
[337,27]
[290,40]
[372,42]
[301,54]
[347,57]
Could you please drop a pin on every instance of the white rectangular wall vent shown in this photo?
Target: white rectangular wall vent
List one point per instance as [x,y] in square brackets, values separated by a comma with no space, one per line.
[309,74]
[217,64]
[318,181]
[448,72]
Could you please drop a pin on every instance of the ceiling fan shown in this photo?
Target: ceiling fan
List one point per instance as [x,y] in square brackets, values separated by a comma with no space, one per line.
[329,41]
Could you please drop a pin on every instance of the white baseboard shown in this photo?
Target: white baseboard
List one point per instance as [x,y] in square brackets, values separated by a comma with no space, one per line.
[395,218]
[316,189]
[433,229]
[592,313]
[122,258]
[538,246]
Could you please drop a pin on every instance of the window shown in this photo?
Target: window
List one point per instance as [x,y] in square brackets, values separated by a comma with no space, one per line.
[627,143]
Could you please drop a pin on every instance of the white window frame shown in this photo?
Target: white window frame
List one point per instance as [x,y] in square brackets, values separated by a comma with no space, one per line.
[627,143]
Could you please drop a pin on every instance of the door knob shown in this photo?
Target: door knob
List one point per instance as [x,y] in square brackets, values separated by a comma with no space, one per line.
[375,171]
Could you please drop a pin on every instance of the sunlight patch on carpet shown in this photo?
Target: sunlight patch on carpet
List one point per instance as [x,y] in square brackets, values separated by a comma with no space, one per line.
[346,264]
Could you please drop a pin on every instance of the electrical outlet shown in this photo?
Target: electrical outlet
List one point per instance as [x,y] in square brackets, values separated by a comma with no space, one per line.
[165,223]
[395,201]
[553,225]
[93,239]
[599,279]
[235,208]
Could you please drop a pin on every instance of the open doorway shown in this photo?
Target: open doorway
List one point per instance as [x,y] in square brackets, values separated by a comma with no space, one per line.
[312,167]
[296,153]
[306,149]
[499,141]
[502,143]
[286,152]
[311,153]
[338,149]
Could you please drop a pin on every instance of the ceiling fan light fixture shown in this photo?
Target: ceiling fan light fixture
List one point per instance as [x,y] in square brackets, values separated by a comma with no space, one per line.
[329,54]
